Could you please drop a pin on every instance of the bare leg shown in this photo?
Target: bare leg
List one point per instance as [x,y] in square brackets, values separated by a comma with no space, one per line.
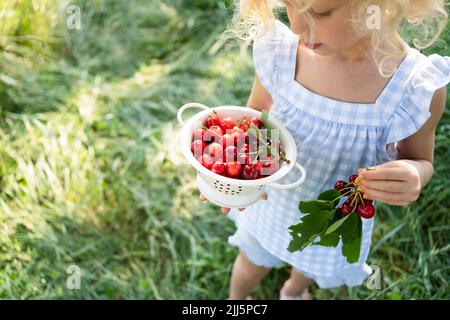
[245,277]
[296,283]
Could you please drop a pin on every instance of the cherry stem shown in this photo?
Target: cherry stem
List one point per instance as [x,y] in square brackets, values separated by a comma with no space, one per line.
[362,200]
[354,199]
[349,188]
[344,194]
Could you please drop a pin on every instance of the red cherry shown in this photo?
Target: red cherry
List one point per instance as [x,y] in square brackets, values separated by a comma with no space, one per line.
[270,167]
[198,134]
[206,161]
[197,148]
[339,185]
[249,172]
[218,167]
[237,130]
[243,123]
[239,139]
[227,140]
[230,154]
[216,129]
[212,135]
[258,166]
[244,127]
[257,122]
[215,151]
[244,148]
[346,209]
[366,210]
[212,120]
[352,178]
[246,137]
[227,124]
[232,169]
[244,158]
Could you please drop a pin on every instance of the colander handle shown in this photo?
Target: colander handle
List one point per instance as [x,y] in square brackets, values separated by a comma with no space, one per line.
[188,106]
[293,184]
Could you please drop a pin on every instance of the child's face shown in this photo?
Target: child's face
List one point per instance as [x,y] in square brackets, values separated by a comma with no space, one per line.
[333,33]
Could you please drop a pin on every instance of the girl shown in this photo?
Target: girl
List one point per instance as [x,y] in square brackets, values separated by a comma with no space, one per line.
[353,94]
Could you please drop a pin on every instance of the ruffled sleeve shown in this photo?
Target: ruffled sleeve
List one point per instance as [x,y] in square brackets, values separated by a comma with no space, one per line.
[266,50]
[432,73]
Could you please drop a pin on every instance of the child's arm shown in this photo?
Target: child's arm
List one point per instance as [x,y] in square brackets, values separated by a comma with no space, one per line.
[399,182]
[260,98]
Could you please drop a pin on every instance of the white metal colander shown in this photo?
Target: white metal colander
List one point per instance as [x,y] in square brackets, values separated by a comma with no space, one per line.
[228,192]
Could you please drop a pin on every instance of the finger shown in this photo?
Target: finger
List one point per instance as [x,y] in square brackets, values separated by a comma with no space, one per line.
[386,197]
[388,173]
[264,196]
[390,164]
[202,197]
[225,210]
[384,185]
[380,166]
[367,169]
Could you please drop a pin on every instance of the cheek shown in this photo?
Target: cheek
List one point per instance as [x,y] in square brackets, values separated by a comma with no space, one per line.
[298,25]
[337,34]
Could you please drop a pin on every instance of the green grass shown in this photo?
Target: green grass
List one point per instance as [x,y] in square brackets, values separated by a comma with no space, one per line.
[90,172]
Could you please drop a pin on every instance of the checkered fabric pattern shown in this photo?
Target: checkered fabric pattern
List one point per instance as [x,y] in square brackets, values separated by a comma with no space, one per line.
[334,138]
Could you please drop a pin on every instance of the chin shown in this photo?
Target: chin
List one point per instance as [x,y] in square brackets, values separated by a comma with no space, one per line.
[323,51]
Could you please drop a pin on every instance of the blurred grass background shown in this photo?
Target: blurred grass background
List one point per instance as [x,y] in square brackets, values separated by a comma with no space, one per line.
[90,172]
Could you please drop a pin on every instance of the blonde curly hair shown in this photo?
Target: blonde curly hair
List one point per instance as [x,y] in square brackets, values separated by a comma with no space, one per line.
[399,18]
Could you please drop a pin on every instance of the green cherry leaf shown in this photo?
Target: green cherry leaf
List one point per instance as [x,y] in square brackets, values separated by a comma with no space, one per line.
[351,241]
[350,225]
[329,240]
[315,206]
[311,226]
[323,220]
[265,121]
[330,195]
[337,224]
[265,118]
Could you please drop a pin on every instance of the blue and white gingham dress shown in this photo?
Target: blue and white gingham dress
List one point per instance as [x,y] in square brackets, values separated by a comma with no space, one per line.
[334,139]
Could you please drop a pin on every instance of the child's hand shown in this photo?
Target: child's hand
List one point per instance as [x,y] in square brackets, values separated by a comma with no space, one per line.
[226,210]
[395,183]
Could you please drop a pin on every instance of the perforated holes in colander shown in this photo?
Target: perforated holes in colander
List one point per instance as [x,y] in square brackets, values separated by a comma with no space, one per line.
[228,188]
[218,186]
